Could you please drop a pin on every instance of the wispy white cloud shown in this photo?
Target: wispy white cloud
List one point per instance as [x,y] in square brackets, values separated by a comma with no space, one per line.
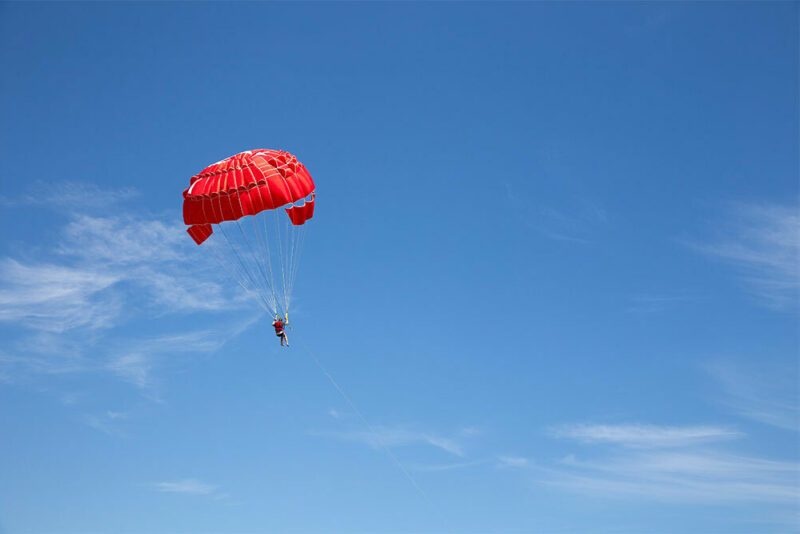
[656,303]
[195,487]
[188,486]
[149,254]
[574,226]
[574,221]
[133,361]
[71,196]
[677,464]
[106,422]
[12,365]
[57,298]
[516,462]
[172,292]
[763,242]
[685,477]
[108,264]
[644,436]
[71,398]
[651,23]
[98,257]
[122,239]
[134,368]
[106,271]
[397,437]
[765,392]
[446,467]
[136,361]
[201,340]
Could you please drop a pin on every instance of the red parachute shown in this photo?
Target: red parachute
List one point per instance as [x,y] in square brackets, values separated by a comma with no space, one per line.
[264,255]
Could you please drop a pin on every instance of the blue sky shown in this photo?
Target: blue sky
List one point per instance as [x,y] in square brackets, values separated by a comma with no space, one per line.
[554,264]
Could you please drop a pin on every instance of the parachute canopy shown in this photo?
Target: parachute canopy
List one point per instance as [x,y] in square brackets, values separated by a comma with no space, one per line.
[262,256]
[247,184]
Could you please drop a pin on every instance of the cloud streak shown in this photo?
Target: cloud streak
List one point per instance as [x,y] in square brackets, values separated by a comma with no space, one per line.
[71,196]
[446,467]
[516,462]
[397,437]
[135,362]
[103,272]
[107,261]
[656,303]
[575,223]
[56,298]
[105,422]
[187,486]
[668,464]
[681,477]
[644,436]
[763,393]
[762,241]
[194,488]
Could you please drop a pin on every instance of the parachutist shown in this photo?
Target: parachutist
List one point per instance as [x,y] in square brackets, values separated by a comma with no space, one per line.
[279,331]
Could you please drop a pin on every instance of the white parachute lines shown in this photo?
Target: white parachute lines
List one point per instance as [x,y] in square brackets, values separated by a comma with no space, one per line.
[262,255]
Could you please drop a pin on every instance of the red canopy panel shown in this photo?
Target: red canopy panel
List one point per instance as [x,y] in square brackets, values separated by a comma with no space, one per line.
[246,184]
[300,214]
[200,232]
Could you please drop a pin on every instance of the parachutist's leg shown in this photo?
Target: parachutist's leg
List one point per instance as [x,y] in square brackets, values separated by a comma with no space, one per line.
[284,338]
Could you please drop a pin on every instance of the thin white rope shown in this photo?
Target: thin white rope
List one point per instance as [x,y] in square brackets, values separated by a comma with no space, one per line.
[246,253]
[375,435]
[245,271]
[252,252]
[280,252]
[298,254]
[267,252]
[267,246]
[264,254]
[292,234]
[258,292]
[286,227]
[232,243]
[285,260]
[230,269]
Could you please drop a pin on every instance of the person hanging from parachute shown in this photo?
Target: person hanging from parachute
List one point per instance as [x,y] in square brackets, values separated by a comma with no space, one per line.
[278,325]
[262,256]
